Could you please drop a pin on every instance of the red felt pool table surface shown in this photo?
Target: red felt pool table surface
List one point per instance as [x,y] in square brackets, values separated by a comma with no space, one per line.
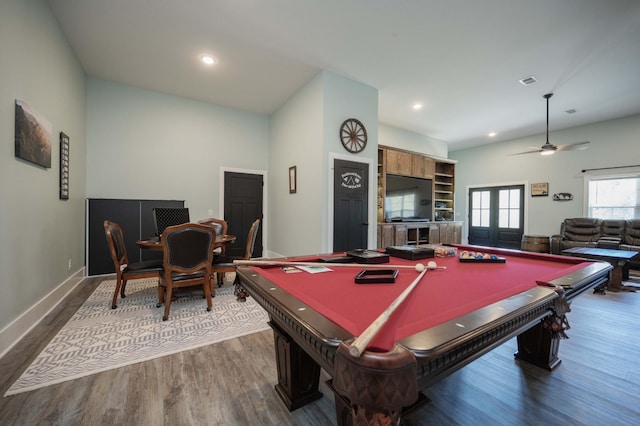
[442,295]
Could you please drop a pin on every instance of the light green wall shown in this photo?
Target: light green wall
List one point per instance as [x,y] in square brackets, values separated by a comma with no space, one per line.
[344,99]
[304,133]
[296,139]
[405,139]
[613,143]
[148,145]
[39,233]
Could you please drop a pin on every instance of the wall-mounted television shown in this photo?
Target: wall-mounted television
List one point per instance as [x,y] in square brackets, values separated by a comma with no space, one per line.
[408,199]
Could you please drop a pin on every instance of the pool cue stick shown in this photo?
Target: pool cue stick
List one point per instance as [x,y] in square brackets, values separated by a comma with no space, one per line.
[330,265]
[360,343]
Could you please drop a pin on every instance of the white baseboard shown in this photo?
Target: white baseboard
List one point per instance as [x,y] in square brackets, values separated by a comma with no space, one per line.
[17,329]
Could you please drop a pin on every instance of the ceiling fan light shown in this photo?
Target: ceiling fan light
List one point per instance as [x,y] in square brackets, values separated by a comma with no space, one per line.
[547,152]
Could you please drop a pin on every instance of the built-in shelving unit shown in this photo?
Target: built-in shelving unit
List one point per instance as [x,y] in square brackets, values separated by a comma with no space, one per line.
[406,163]
[443,228]
[381,184]
[444,191]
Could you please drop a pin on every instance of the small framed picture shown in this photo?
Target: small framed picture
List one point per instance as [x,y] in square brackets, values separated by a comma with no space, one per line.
[64,166]
[292,180]
[540,189]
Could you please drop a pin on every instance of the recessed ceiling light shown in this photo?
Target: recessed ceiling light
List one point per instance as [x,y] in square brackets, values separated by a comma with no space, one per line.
[208,59]
[492,134]
[570,111]
[417,106]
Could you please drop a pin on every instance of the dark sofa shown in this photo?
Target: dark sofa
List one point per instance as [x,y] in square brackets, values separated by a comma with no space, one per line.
[602,233]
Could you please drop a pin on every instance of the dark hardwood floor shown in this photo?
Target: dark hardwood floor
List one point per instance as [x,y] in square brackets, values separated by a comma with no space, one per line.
[231,383]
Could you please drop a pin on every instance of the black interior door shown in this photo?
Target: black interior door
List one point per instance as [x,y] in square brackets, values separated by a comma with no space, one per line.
[351,205]
[496,216]
[243,194]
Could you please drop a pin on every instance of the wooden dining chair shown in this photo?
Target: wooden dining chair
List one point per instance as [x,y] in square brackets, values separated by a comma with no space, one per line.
[224,264]
[124,269]
[220,226]
[187,256]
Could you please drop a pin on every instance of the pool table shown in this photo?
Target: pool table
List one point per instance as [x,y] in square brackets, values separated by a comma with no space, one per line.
[452,317]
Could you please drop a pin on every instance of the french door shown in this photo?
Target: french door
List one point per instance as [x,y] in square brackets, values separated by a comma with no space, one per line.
[496,216]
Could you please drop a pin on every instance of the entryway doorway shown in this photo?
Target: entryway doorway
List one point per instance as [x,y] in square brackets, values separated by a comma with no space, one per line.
[350,205]
[243,200]
[496,216]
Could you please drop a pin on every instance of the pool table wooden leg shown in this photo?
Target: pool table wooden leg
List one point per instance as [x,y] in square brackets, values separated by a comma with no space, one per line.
[298,373]
[375,387]
[539,346]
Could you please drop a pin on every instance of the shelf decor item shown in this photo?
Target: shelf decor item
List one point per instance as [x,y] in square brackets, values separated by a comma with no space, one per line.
[540,189]
[64,166]
[353,135]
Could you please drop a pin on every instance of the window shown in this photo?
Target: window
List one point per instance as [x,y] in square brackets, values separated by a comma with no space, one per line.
[480,211]
[614,197]
[509,208]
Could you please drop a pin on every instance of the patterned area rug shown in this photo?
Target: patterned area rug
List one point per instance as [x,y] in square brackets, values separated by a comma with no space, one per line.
[98,338]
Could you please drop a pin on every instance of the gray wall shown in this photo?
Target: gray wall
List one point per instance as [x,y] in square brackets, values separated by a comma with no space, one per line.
[613,143]
[38,232]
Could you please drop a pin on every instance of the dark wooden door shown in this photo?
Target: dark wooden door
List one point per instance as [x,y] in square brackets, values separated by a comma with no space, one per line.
[350,208]
[496,216]
[243,194]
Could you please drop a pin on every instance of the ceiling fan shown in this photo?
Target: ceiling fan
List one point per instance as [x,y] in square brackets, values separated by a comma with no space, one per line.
[548,148]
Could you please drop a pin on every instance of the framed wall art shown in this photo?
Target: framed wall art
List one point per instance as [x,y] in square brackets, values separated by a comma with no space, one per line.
[292,180]
[64,166]
[540,189]
[32,136]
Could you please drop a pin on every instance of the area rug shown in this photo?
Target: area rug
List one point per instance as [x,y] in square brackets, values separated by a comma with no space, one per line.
[98,338]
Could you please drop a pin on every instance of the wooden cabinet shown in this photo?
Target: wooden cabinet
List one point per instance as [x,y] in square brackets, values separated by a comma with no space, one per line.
[392,234]
[399,162]
[408,164]
[446,233]
[423,167]
[386,235]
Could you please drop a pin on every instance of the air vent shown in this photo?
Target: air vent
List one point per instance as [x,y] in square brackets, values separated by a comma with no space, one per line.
[527,81]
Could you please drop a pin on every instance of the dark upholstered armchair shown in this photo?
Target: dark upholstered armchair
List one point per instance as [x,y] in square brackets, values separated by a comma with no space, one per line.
[223,264]
[220,226]
[124,269]
[169,216]
[613,234]
[188,255]
[631,239]
[577,232]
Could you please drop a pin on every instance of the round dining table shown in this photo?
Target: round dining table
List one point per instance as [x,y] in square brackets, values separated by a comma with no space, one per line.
[154,243]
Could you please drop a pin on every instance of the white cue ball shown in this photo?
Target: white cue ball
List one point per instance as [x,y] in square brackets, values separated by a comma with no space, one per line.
[419,267]
[432,265]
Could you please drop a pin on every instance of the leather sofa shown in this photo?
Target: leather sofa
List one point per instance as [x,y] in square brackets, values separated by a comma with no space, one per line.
[601,233]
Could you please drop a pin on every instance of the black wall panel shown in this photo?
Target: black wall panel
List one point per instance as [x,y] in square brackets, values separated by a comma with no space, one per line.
[135,219]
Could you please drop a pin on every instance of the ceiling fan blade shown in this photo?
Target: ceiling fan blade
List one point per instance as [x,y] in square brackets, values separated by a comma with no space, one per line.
[536,150]
[573,146]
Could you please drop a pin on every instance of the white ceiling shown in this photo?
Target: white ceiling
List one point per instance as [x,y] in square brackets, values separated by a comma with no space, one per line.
[461,58]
